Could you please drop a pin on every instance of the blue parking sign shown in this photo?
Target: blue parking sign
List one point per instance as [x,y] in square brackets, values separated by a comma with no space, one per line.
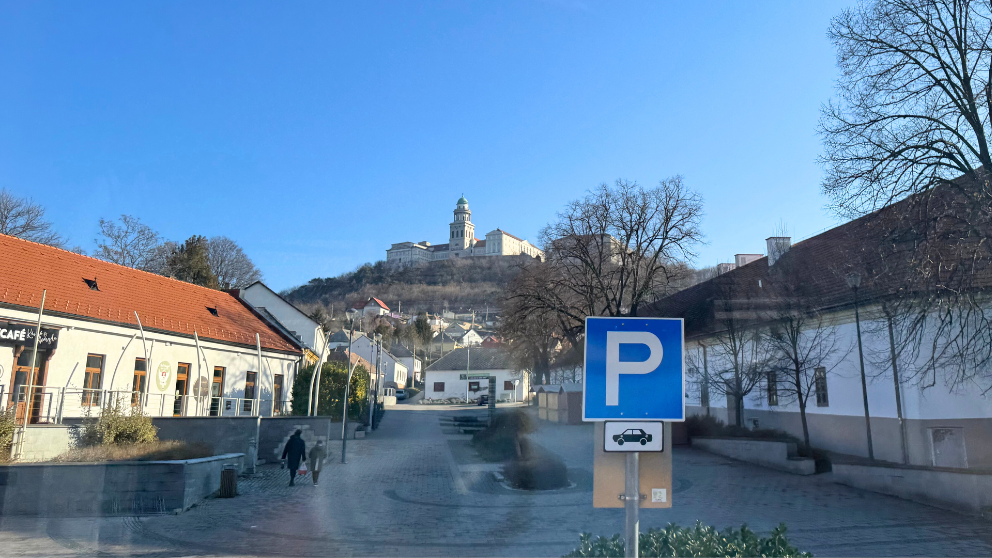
[634,369]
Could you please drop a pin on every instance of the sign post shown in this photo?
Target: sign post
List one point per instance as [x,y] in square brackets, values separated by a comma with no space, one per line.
[634,379]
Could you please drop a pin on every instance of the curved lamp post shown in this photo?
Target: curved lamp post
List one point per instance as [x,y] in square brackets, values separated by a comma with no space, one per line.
[854,281]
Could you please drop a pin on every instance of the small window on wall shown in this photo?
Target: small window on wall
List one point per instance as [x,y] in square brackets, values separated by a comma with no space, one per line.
[772,390]
[820,381]
[438,386]
[473,386]
[507,385]
[92,379]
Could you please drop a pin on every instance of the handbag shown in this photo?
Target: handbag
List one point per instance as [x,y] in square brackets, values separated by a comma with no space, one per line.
[303,469]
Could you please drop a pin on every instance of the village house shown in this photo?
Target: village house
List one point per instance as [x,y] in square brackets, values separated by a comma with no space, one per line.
[464,373]
[112,333]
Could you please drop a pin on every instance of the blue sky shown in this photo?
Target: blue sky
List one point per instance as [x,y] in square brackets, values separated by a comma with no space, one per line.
[317,133]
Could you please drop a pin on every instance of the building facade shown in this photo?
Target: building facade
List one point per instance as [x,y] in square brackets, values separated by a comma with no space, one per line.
[462,243]
[464,374]
[112,334]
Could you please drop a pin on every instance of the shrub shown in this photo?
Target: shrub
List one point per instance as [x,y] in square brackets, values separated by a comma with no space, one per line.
[155,451]
[504,437]
[8,425]
[693,541]
[703,426]
[544,472]
[711,426]
[119,424]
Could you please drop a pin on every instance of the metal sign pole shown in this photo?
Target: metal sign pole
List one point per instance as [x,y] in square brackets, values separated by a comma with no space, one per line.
[631,504]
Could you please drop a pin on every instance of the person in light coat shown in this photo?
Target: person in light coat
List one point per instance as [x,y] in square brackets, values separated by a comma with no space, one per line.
[318,454]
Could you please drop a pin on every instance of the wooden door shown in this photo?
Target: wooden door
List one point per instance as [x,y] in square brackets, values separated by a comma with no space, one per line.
[182,388]
[277,394]
[216,391]
[20,378]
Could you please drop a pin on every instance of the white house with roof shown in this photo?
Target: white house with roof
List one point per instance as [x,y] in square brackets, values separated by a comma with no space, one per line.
[464,374]
[284,315]
[412,363]
[165,347]
[461,243]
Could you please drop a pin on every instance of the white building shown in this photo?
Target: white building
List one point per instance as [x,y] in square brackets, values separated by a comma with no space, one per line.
[414,366]
[462,243]
[168,347]
[393,370]
[922,421]
[464,373]
[281,313]
[372,307]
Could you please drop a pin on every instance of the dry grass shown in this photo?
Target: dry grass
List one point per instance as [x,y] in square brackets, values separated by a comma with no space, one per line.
[153,451]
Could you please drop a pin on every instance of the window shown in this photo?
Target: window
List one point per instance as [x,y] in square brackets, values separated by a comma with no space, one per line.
[704,393]
[438,386]
[772,390]
[473,386]
[182,384]
[508,385]
[92,380]
[820,381]
[140,382]
[249,391]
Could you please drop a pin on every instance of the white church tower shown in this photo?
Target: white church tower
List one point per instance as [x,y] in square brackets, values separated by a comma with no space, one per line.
[462,229]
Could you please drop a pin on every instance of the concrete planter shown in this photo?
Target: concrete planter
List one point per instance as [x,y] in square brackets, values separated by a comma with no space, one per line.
[112,488]
[767,453]
[960,490]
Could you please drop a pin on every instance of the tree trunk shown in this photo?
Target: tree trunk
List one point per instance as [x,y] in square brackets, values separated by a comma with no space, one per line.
[802,408]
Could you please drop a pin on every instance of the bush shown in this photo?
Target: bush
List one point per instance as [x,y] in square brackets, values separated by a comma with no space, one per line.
[544,472]
[696,541]
[119,424]
[155,451]
[8,425]
[710,426]
[504,438]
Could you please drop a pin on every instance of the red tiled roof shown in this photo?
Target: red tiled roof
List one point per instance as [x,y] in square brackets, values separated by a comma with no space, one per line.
[379,302]
[163,304]
[480,243]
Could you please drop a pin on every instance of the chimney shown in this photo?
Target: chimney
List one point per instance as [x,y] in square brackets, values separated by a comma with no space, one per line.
[741,260]
[777,247]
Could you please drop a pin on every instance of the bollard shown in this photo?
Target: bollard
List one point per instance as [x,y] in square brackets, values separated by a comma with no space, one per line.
[229,482]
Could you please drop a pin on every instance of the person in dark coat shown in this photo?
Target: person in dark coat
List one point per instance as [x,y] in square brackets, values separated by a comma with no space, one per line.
[295,451]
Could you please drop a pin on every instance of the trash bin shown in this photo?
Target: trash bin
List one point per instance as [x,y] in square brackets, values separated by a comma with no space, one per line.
[229,482]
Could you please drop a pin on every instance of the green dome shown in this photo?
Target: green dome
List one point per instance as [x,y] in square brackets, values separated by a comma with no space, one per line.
[461,201]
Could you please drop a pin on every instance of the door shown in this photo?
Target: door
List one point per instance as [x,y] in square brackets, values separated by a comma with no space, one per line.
[140,382]
[249,391]
[216,391]
[19,385]
[182,387]
[277,395]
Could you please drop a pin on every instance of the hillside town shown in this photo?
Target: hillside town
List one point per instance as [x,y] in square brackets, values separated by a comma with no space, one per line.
[226,371]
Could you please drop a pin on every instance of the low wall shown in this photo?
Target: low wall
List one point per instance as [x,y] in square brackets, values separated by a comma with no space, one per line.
[275,431]
[98,489]
[768,453]
[222,434]
[41,443]
[960,490]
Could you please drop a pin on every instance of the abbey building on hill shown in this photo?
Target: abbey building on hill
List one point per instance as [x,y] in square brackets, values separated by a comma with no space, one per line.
[461,243]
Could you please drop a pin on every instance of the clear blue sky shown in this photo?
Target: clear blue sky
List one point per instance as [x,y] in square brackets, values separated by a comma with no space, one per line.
[317,133]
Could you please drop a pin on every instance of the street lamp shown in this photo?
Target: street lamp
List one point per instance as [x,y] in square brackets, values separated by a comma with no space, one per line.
[854,281]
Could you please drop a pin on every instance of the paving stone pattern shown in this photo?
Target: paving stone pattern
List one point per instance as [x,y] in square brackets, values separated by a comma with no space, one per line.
[404,492]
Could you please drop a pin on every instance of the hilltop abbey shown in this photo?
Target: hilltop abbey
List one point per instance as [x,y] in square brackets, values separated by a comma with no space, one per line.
[461,243]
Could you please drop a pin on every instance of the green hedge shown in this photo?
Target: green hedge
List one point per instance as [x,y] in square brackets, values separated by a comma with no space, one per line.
[700,540]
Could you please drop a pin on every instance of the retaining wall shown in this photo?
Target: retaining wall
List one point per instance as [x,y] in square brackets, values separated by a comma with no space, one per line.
[41,443]
[955,489]
[98,489]
[768,453]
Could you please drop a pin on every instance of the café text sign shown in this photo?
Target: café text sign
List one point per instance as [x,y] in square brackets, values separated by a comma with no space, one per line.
[18,334]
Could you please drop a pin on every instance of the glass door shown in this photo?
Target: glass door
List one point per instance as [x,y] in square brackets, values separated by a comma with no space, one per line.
[182,377]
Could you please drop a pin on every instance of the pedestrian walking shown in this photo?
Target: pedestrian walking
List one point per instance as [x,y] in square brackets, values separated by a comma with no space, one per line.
[294,452]
[317,456]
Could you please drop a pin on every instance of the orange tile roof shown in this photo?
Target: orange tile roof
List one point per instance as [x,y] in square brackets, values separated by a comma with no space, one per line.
[163,304]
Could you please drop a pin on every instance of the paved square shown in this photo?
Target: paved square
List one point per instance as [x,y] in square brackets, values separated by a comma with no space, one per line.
[413,488]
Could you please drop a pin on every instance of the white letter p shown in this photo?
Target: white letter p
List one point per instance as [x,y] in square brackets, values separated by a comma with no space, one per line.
[614,368]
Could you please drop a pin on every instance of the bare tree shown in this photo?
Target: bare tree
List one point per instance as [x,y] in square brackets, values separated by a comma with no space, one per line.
[127,241]
[615,249]
[913,120]
[229,263]
[533,335]
[25,219]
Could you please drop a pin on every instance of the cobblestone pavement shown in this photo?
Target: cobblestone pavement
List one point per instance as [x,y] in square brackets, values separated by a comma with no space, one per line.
[414,488]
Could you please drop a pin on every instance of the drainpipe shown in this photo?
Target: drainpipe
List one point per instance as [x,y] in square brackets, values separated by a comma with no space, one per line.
[199,373]
[898,386]
[258,377]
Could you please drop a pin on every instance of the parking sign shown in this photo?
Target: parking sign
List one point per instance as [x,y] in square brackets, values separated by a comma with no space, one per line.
[634,369]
